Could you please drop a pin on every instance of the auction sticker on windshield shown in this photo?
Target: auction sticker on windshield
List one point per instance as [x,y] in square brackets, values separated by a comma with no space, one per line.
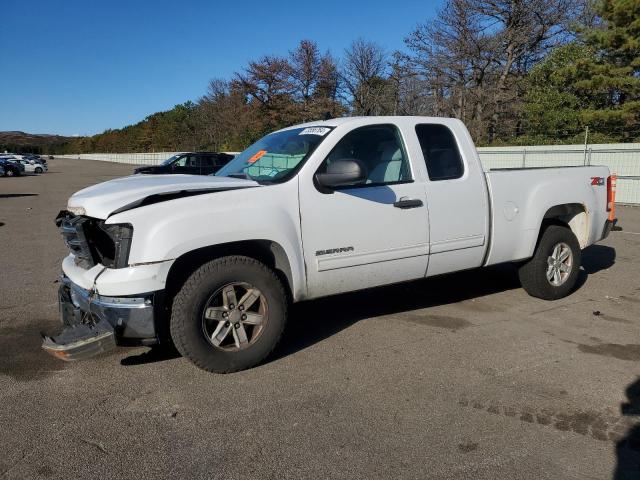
[257,156]
[315,131]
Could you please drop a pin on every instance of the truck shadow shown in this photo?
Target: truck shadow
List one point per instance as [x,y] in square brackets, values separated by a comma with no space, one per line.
[597,257]
[316,320]
[313,321]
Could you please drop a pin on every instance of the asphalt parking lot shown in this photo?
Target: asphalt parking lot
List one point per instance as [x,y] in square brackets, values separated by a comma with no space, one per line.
[461,376]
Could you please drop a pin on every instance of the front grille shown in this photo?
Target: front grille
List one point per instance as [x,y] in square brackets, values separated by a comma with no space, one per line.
[73,233]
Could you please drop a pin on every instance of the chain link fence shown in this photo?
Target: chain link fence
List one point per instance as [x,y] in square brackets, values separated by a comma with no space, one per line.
[622,159]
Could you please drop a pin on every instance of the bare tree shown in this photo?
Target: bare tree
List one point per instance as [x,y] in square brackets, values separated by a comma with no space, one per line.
[227,119]
[364,77]
[526,30]
[315,81]
[328,79]
[305,68]
[474,54]
[267,82]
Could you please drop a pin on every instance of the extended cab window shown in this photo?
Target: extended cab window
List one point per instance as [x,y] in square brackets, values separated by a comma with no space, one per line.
[440,152]
[379,148]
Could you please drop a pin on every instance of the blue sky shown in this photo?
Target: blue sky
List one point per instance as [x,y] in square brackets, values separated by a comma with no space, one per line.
[79,67]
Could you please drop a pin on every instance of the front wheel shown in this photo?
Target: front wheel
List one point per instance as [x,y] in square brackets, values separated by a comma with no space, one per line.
[9,173]
[552,272]
[229,315]
[38,170]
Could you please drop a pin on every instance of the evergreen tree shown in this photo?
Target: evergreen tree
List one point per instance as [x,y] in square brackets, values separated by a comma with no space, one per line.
[613,73]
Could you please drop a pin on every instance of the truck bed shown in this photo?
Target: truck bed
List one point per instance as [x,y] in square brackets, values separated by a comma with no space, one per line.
[520,198]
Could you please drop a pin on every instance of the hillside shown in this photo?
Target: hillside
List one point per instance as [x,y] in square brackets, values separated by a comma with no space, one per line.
[17,142]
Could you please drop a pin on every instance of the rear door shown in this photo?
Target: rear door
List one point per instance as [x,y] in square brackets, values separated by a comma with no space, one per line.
[371,234]
[221,160]
[208,164]
[457,197]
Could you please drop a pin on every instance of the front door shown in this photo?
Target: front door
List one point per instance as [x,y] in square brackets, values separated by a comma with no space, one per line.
[187,164]
[370,234]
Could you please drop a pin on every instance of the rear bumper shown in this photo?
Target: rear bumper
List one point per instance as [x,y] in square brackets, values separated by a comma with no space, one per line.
[95,323]
[608,226]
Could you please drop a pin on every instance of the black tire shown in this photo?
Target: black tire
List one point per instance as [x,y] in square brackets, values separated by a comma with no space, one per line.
[38,170]
[533,274]
[191,301]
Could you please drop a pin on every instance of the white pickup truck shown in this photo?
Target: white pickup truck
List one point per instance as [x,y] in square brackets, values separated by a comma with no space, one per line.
[212,263]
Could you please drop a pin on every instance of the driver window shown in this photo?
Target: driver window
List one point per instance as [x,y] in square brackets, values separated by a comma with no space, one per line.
[181,162]
[379,148]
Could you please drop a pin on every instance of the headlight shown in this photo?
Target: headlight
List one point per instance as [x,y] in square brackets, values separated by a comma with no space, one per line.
[92,241]
[109,244]
[121,235]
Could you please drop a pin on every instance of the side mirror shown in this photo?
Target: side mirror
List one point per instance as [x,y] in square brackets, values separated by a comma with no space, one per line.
[342,173]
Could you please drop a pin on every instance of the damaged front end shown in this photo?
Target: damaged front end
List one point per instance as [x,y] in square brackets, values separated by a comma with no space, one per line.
[95,323]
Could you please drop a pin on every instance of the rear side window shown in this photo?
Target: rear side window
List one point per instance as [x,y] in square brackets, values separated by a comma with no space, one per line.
[207,161]
[440,152]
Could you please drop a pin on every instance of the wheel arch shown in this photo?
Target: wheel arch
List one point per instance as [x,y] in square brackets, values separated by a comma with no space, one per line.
[571,215]
[271,253]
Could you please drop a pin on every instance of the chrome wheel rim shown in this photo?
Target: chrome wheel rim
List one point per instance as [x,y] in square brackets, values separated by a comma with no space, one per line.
[234,317]
[559,264]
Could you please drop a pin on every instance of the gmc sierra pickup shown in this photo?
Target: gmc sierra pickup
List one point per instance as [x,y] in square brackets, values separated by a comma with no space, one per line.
[212,263]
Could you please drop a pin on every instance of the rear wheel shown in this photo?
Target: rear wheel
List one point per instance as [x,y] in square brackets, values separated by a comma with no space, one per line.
[229,315]
[552,272]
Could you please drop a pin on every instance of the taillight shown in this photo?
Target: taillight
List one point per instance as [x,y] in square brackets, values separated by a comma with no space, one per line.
[611,196]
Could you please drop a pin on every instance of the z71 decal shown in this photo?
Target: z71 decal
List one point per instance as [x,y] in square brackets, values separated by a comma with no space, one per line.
[597,181]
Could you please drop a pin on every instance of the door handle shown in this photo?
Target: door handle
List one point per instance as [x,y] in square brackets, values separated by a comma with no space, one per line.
[406,202]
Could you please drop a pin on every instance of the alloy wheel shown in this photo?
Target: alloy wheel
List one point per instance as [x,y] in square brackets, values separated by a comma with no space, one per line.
[235,316]
[559,264]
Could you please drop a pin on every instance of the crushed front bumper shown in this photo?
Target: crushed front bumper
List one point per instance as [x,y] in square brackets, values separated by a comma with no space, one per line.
[95,323]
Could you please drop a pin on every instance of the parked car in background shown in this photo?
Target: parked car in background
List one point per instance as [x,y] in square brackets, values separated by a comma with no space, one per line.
[191,163]
[32,166]
[34,158]
[11,169]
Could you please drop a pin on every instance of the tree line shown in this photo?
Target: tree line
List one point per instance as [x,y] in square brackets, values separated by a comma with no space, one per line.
[515,71]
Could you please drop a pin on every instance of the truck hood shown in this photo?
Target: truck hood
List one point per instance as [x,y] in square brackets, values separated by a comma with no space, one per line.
[104,199]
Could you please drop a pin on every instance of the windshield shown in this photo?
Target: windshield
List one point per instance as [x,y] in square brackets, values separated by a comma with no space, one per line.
[169,160]
[275,157]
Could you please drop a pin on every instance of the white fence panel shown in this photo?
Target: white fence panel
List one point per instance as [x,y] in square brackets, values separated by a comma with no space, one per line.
[126,158]
[621,158]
